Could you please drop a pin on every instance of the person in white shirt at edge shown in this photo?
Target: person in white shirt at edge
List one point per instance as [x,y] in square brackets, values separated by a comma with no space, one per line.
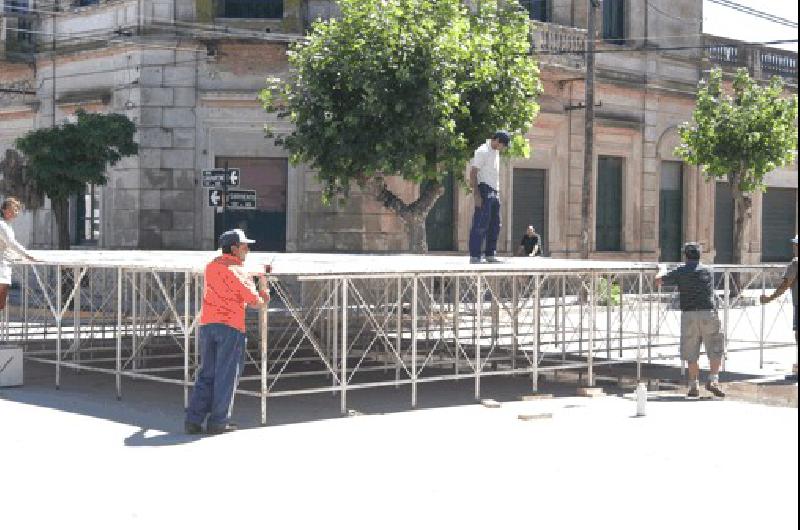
[9,246]
[484,178]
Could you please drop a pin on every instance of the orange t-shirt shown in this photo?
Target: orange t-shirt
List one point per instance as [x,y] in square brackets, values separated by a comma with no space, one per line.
[228,290]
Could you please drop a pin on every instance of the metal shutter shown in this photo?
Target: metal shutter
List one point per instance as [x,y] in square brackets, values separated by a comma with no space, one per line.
[608,228]
[778,224]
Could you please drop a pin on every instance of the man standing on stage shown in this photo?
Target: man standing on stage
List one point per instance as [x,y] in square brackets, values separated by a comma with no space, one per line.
[484,178]
[699,320]
[789,281]
[531,244]
[228,290]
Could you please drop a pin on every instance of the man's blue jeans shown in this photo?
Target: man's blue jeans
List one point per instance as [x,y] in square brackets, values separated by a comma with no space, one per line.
[221,364]
[485,223]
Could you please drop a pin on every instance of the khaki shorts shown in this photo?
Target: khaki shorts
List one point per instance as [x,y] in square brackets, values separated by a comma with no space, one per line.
[701,327]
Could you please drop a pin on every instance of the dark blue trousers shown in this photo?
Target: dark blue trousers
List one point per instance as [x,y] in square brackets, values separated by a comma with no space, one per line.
[485,223]
[221,364]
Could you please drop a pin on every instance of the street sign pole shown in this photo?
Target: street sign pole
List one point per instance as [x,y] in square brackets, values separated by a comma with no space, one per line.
[225,200]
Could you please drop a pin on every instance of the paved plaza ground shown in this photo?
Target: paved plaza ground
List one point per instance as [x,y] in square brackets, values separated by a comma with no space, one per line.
[77,458]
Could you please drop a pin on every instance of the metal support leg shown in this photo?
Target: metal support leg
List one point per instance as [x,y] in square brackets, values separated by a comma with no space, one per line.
[187,321]
[763,318]
[478,330]
[58,326]
[725,319]
[457,320]
[344,348]
[514,323]
[414,302]
[592,301]
[263,318]
[537,321]
[639,329]
[118,371]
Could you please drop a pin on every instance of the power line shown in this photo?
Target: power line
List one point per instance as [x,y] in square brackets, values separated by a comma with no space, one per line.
[756,13]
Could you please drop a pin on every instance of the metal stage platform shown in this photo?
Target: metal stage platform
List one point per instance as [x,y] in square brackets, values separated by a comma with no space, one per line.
[338,323]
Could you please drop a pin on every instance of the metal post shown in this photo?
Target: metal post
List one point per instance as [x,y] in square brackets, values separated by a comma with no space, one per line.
[478,329]
[335,351]
[25,294]
[592,300]
[134,308]
[187,321]
[763,318]
[58,324]
[264,329]
[514,323]
[399,338]
[118,371]
[621,312]
[725,318]
[344,348]
[414,301]
[76,313]
[650,325]
[639,329]
[564,318]
[457,320]
[536,335]
[609,308]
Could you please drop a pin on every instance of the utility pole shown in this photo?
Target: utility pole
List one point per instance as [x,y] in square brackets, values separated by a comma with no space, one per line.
[588,154]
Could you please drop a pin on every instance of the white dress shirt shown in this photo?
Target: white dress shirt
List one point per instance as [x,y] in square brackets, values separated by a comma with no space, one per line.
[487,161]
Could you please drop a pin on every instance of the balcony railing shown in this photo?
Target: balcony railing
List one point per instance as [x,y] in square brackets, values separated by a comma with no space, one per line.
[762,62]
[558,45]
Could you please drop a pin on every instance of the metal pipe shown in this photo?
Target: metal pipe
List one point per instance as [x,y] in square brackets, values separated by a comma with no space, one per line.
[344,348]
[118,372]
[478,327]
[414,301]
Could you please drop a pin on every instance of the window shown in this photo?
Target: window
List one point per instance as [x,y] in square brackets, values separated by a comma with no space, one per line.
[614,21]
[250,8]
[88,216]
[608,225]
[16,6]
[538,9]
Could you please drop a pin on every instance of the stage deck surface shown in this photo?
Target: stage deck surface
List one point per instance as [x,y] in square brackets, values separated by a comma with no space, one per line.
[321,265]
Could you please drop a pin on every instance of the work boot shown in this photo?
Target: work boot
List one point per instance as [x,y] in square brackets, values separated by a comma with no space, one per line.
[192,428]
[714,388]
[694,392]
[221,429]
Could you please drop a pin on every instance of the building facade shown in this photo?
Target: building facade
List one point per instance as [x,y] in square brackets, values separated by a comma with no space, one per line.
[188,73]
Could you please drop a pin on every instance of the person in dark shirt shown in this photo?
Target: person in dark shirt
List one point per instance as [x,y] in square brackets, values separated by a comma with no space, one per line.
[699,320]
[530,244]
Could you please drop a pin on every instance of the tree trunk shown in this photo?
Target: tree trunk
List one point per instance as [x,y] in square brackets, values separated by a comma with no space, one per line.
[414,214]
[61,212]
[743,213]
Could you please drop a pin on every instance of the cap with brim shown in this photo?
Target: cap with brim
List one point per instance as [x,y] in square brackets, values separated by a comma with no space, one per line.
[794,239]
[692,250]
[234,237]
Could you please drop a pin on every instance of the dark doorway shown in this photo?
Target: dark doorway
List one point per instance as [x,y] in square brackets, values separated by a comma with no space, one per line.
[267,223]
[723,223]
[439,224]
[670,214]
[530,206]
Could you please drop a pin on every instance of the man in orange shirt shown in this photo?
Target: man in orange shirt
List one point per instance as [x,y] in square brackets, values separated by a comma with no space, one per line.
[227,292]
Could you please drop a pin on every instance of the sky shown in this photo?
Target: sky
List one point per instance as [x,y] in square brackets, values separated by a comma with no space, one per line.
[726,22]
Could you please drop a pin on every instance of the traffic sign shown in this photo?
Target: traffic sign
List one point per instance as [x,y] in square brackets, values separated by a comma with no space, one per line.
[214,198]
[233,199]
[219,177]
[241,199]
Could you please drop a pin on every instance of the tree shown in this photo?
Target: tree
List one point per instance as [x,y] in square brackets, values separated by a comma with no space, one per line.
[743,135]
[408,88]
[62,160]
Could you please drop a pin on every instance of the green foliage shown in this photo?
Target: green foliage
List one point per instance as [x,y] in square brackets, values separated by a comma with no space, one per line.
[62,160]
[747,133]
[406,87]
[606,296]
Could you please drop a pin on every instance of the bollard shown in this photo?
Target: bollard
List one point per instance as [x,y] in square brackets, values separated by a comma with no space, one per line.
[641,399]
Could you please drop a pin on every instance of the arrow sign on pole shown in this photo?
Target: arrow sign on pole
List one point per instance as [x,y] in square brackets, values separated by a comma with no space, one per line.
[219,177]
[214,198]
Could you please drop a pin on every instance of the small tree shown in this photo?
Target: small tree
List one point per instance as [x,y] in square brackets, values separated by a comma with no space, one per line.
[742,135]
[408,88]
[62,160]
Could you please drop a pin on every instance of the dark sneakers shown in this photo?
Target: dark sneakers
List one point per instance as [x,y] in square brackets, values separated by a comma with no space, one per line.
[694,392]
[192,428]
[221,429]
[714,388]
